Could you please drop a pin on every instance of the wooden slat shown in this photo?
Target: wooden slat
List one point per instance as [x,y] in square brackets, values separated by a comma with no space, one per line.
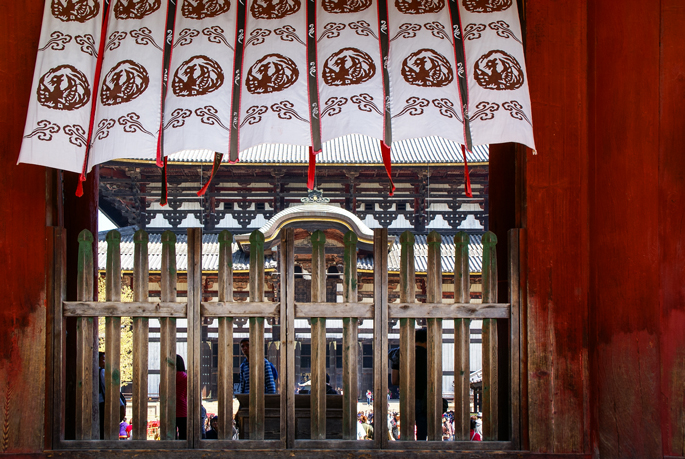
[84,343]
[242,309]
[407,340]
[350,369]
[56,338]
[434,345]
[167,338]
[449,311]
[334,310]
[462,340]
[287,258]
[256,338]
[124,309]
[318,359]
[380,333]
[225,342]
[194,334]
[489,334]
[112,338]
[141,334]
[515,334]
[469,449]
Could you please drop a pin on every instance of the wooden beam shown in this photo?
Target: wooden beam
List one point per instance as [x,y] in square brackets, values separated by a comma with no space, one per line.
[490,367]
[462,340]
[112,338]
[449,311]
[242,309]
[167,338]
[141,333]
[256,284]
[380,333]
[407,340]
[434,345]
[124,309]
[194,333]
[56,337]
[225,342]
[318,340]
[515,334]
[334,310]
[350,342]
[287,259]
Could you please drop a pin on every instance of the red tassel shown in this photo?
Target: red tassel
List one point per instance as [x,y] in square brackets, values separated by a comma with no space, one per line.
[165,188]
[387,162]
[469,194]
[311,172]
[215,167]
[79,187]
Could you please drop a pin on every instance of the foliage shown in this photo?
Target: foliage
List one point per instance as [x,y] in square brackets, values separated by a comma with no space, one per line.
[126,362]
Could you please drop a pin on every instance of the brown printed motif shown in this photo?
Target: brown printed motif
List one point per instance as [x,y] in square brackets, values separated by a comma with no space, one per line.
[75,10]
[486,6]
[77,135]
[427,68]
[273,9]
[414,107]
[333,106]
[87,43]
[57,41]
[364,102]
[407,30]
[44,131]
[197,76]
[123,83]
[63,88]
[288,33]
[345,6]
[446,108]
[363,29]
[209,115]
[419,6]
[484,111]
[135,9]
[516,111]
[200,9]
[253,115]
[178,118]
[286,111]
[143,37]
[215,34]
[271,73]
[186,37]
[131,124]
[503,30]
[348,66]
[499,71]
[472,31]
[331,30]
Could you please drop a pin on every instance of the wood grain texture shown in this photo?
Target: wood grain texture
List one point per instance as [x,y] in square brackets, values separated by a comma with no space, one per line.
[350,369]
[256,288]
[56,289]
[515,334]
[112,338]
[124,309]
[85,366]
[141,334]
[334,310]
[225,340]
[490,342]
[287,370]
[241,309]
[462,339]
[194,334]
[407,339]
[318,340]
[449,311]
[167,341]
[380,330]
[434,344]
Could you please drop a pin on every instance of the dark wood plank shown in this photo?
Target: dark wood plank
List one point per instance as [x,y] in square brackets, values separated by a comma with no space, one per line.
[225,325]
[407,340]
[194,334]
[167,338]
[462,339]
[112,338]
[318,340]
[489,335]
[380,332]
[124,309]
[56,288]
[434,345]
[84,343]
[350,342]
[515,335]
[256,286]
[287,260]
[449,311]
[141,333]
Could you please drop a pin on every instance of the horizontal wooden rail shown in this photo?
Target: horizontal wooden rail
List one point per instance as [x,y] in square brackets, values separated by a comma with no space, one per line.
[334,310]
[452,445]
[122,309]
[449,310]
[242,309]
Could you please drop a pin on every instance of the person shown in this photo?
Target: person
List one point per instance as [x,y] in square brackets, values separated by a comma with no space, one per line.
[213,432]
[361,433]
[329,389]
[474,435]
[203,420]
[420,382]
[369,397]
[124,430]
[101,396]
[270,374]
[368,429]
[181,399]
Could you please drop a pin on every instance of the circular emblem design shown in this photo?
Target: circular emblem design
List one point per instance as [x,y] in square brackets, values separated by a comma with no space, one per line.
[197,76]
[75,10]
[345,6]
[273,9]
[123,83]
[348,66]
[63,88]
[499,71]
[135,9]
[271,73]
[486,6]
[419,6]
[427,68]
[200,9]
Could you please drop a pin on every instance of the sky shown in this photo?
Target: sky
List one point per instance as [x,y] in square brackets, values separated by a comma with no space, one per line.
[104,223]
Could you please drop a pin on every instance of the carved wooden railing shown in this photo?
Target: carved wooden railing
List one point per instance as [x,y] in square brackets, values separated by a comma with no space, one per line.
[169,309]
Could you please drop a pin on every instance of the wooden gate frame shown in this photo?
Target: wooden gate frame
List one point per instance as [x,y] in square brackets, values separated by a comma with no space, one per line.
[351,312]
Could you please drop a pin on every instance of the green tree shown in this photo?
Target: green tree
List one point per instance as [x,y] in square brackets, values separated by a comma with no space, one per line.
[126,362]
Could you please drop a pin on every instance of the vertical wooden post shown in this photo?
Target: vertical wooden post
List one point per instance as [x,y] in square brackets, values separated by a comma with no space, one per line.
[318,387]
[56,337]
[194,334]
[256,338]
[288,337]
[85,403]
[113,338]
[407,340]
[141,334]
[462,340]
[434,345]
[490,370]
[380,333]
[350,369]
[225,383]
[515,236]
[167,338]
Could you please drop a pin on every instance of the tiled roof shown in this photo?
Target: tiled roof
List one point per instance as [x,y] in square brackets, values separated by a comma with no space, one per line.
[241,260]
[351,149]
